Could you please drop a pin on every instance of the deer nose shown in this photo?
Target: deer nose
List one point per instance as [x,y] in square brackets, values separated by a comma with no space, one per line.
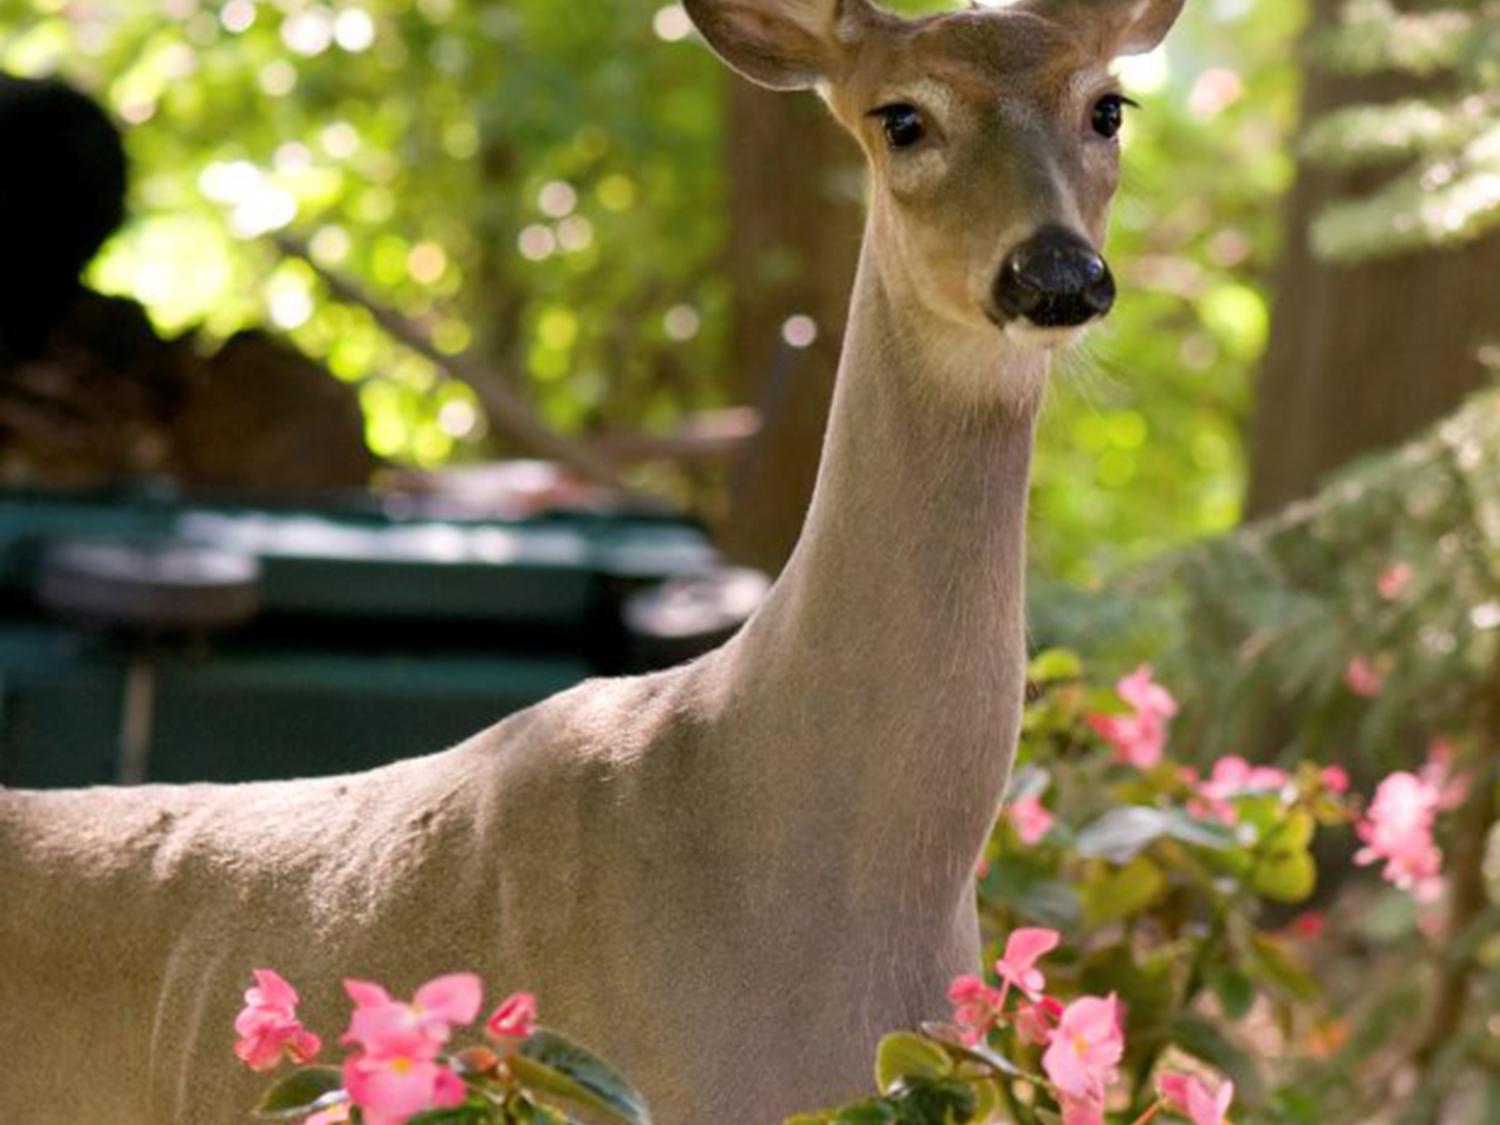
[1055,280]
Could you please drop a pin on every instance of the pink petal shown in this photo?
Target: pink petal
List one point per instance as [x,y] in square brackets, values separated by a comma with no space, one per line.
[1026,945]
[271,991]
[454,999]
[1066,1070]
[304,1046]
[365,993]
[514,1018]
[1082,1111]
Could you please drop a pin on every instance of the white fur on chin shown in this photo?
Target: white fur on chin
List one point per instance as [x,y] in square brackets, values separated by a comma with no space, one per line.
[1034,336]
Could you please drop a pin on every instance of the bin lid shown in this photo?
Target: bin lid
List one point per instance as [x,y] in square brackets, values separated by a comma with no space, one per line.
[356,560]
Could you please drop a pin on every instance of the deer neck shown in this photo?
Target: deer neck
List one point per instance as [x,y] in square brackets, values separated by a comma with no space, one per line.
[883,678]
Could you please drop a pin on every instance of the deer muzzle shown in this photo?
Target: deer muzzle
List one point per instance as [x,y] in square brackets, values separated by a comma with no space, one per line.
[1055,279]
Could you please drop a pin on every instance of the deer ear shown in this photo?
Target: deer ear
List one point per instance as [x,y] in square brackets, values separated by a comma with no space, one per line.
[1144,24]
[783,44]
[1121,27]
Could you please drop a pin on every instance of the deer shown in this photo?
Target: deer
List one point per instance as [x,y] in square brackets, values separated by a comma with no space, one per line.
[732,877]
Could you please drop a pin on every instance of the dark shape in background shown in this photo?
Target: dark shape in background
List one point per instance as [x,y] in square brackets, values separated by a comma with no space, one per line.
[90,395]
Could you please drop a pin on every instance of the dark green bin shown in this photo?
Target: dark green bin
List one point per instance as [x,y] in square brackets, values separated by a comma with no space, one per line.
[377,636]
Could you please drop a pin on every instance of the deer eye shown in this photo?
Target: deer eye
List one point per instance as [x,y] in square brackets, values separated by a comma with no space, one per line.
[902,124]
[1109,115]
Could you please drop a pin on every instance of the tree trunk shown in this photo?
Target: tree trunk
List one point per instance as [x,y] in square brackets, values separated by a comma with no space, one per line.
[795,224]
[1361,356]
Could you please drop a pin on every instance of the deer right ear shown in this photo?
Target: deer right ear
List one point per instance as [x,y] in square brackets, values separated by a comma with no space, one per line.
[783,44]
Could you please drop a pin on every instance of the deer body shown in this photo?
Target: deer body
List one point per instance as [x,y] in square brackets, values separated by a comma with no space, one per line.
[729,878]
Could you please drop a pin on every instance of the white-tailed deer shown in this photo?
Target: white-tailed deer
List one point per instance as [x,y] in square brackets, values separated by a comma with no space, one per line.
[732,877]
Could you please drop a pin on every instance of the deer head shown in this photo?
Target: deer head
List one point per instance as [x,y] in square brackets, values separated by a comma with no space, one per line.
[991,135]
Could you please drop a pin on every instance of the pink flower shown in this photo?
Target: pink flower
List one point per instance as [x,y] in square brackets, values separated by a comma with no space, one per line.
[1439,772]
[1363,678]
[1140,736]
[515,1018]
[1398,830]
[333,1115]
[1031,819]
[1145,695]
[976,1007]
[1394,580]
[1335,779]
[1232,775]
[1309,925]
[1034,1022]
[390,1089]
[268,1026]
[1017,967]
[1086,1048]
[1188,1095]
[1081,1111]
[385,1027]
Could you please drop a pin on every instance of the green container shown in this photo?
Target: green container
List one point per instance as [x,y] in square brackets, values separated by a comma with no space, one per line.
[377,637]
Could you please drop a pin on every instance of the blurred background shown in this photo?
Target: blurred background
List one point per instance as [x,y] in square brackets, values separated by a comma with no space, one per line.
[403,243]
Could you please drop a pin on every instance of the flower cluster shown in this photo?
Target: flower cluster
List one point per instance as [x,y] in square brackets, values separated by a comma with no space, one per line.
[268,1028]
[395,1072]
[1083,1041]
[398,1067]
[1397,830]
[1140,735]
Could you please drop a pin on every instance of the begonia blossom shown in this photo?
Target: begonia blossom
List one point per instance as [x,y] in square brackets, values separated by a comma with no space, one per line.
[1034,1022]
[1087,1045]
[1397,830]
[390,1089]
[1140,736]
[1190,1096]
[1394,580]
[976,1007]
[1030,819]
[515,1018]
[1363,677]
[268,1028]
[383,1026]
[1017,966]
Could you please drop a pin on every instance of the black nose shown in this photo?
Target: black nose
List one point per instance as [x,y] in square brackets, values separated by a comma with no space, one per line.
[1055,280]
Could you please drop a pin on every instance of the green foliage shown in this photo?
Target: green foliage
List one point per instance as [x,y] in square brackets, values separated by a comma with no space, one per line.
[302,1092]
[1140,445]
[538,1081]
[420,163]
[1439,152]
[555,1067]
[531,181]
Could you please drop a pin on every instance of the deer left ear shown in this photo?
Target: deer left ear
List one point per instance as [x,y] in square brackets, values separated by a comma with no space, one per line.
[1143,24]
[1120,27]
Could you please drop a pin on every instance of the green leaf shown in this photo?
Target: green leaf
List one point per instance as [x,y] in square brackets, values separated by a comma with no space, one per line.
[1122,834]
[1190,830]
[301,1092]
[1235,992]
[1054,664]
[1124,892]
[1294,833]
[874,1111]
[988,1100]
[1286,877]
[459,1115]
[952,1037]
[1278,966]
[551,1064]
[904,1055]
